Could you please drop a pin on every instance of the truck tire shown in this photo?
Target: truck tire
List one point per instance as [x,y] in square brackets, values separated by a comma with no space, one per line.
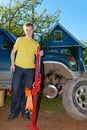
[74,98]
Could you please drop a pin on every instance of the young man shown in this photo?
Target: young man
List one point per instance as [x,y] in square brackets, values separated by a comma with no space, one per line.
[23,70]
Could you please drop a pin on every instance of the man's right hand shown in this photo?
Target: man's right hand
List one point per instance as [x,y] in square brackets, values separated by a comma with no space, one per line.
[12,68]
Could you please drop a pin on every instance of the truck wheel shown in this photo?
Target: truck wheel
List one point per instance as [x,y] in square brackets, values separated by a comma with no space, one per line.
[75,98]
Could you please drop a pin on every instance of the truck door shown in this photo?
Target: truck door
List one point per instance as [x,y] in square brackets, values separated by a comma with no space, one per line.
[4,57]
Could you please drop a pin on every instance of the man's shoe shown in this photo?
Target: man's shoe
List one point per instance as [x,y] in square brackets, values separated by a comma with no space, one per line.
[11,117]
[26,117]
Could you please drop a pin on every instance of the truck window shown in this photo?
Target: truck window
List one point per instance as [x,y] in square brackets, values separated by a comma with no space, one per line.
[65,51]
[3,37]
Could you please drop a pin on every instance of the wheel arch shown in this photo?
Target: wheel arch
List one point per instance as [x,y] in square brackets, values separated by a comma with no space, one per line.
[57,66]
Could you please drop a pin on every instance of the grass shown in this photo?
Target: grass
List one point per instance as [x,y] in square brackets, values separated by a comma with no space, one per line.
[8,100]
[53,105]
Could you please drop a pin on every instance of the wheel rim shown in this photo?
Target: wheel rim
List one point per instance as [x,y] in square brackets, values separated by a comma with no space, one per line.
[51,91]
[81,97]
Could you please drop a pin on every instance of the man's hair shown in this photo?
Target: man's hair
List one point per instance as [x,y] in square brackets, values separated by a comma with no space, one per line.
[28,25]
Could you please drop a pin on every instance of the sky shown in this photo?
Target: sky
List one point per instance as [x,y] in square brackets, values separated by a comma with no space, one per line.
[73,16]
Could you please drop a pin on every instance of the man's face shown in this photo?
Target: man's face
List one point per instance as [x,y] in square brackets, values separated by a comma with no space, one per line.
[28,31]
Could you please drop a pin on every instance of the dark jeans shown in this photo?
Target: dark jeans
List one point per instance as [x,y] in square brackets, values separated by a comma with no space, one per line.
[21,78]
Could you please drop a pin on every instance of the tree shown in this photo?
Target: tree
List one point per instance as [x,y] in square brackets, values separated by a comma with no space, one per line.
[85,52]
[17,12]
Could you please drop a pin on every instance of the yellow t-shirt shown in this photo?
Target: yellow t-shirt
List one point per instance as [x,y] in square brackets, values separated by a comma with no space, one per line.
[26,50]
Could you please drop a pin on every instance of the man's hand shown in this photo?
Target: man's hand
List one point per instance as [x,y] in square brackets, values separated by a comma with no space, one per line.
[12,68]
[41,53]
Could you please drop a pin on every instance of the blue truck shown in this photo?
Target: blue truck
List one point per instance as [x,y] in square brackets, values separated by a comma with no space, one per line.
[63,69]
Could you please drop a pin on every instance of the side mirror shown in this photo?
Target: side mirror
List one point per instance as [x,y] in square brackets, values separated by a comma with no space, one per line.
[7,45]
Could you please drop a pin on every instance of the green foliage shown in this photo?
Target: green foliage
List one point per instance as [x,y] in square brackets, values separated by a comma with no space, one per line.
[85,52]
[8,100]
[17,12]
[52,105]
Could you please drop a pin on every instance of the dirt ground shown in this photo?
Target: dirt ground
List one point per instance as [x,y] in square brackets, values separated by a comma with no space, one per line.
[46,121]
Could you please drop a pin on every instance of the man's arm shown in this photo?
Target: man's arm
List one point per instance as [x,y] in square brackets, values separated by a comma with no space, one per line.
[13,60]
[41,53]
